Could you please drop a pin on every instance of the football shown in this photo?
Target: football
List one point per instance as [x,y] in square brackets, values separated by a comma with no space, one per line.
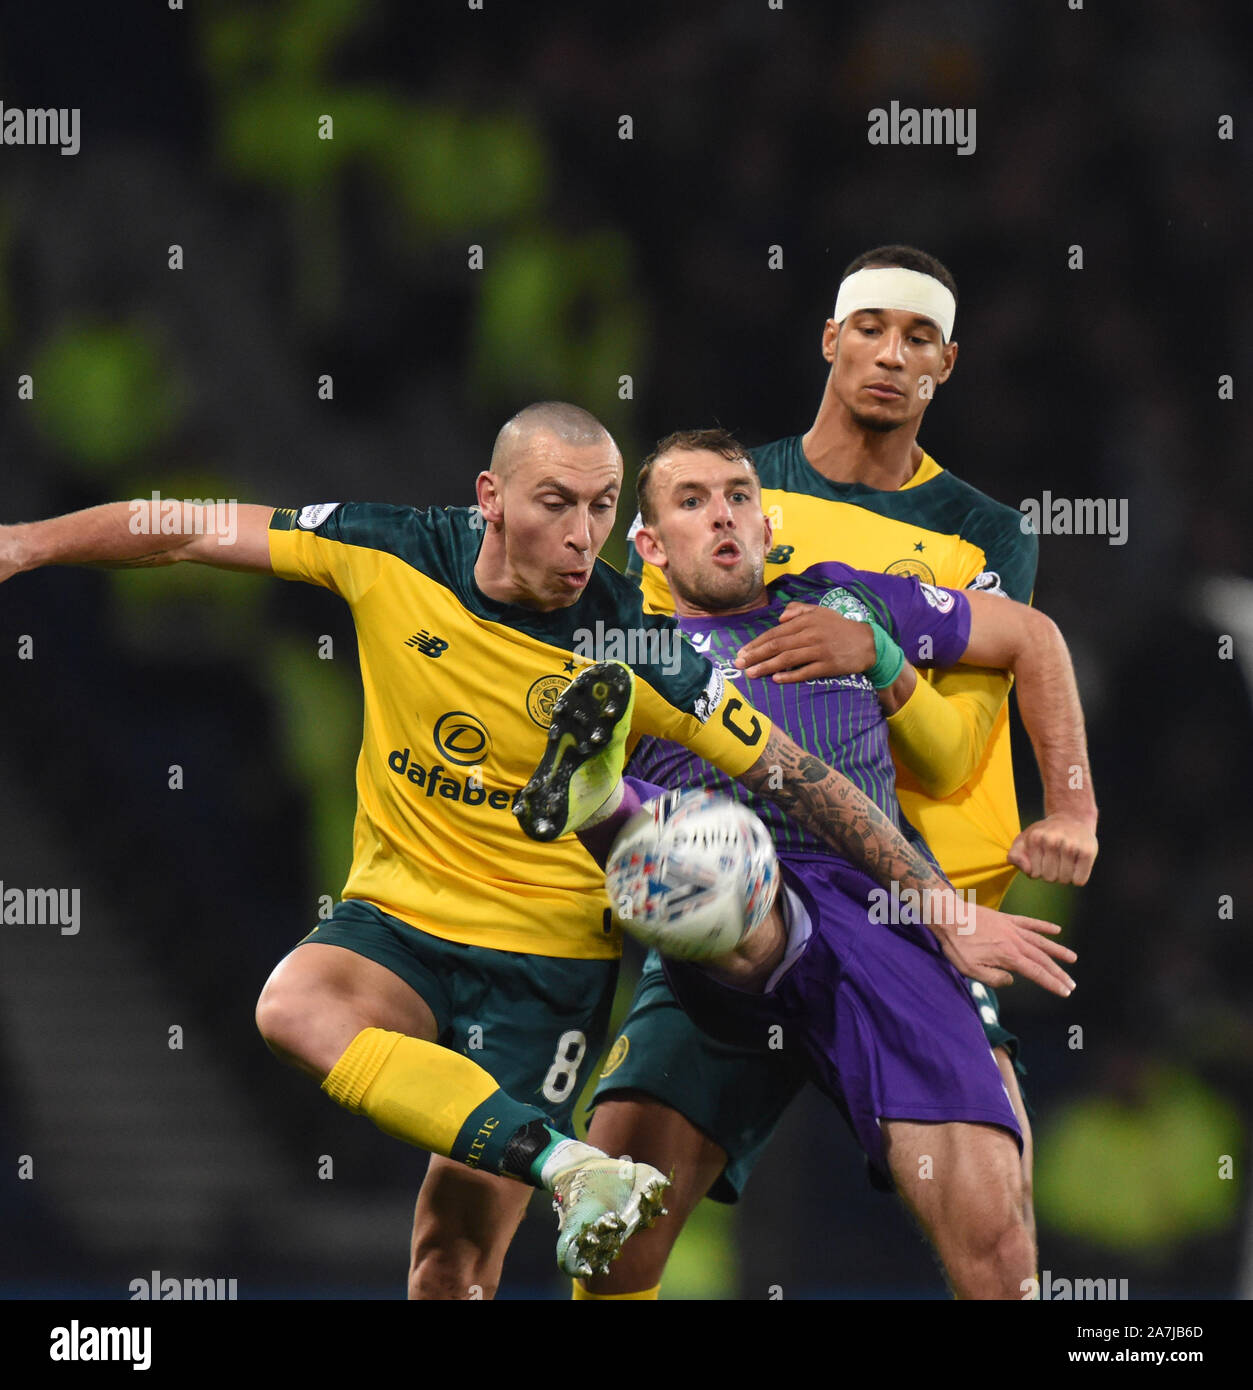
[692,874]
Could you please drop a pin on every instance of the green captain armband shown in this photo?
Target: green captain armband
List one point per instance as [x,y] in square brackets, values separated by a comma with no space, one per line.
[889,660]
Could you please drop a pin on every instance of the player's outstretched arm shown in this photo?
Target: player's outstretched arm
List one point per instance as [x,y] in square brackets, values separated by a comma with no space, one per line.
[142,533]
[940,729]
[1062,847]
[931,729]
[939,732]
[831,807]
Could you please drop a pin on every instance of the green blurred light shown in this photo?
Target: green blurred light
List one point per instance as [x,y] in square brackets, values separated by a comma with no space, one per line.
[104,394]
[559,319]
[271,133]
[1033,897]
[298,38]
[705,1260]
[1141,1177]
[455,172]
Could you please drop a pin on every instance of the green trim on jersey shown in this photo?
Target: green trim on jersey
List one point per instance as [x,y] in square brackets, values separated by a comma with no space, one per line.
[443,543]
[943,503]
[458,694]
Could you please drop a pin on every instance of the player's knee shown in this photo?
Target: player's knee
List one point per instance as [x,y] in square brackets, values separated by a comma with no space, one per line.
[1000,1250]
[1014,1257]
[1003,1227]
[989,1259]
[282,1023]
[986,1214]
[444,1275]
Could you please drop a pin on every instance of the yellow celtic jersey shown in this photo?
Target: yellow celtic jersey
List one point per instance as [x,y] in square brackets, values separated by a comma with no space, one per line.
[458,696]
[945,532]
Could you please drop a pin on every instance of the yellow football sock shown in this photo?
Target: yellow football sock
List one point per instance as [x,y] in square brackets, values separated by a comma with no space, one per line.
[581,1294]
[413,1090]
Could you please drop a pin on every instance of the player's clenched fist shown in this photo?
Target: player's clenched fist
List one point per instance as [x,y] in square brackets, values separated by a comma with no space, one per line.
[1058,849]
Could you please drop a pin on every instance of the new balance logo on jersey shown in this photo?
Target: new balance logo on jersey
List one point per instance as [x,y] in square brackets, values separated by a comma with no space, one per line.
[780,555]
[426,644]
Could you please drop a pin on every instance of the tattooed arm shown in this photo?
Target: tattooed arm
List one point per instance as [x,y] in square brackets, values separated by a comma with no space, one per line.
[828,805]
[991,949]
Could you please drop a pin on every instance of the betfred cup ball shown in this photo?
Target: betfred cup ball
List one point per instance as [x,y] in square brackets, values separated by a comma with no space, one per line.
[692,874]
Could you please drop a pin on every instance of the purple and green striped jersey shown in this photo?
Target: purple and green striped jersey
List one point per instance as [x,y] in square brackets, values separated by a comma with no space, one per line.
[838,719]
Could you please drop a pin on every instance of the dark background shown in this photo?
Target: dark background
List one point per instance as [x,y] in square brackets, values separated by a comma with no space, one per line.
[602,258]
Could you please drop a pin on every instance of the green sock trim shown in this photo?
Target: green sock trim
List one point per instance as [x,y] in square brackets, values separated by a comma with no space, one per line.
[488,1129]
[555,1137]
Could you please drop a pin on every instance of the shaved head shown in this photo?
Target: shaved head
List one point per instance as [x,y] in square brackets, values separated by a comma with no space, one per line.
[548,501]
[558,420]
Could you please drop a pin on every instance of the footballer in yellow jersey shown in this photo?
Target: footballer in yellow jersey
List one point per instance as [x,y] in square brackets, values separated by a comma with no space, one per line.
[458,692]
[462,984]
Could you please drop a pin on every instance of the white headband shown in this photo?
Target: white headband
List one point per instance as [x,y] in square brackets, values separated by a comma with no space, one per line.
[892,287]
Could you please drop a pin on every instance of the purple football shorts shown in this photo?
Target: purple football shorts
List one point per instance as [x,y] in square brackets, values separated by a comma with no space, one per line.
[887,1026]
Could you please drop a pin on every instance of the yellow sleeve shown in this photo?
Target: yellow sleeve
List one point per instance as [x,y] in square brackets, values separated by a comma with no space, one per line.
[941,731]
[310,545]
[725,729]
